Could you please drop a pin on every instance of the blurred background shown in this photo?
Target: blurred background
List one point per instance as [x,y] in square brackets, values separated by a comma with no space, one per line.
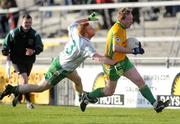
[156,25]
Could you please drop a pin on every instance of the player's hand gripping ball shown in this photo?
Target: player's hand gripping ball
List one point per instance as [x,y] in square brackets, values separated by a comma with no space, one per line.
[135,45]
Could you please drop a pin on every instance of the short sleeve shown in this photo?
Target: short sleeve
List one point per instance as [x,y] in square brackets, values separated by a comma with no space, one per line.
[90,50]
[72,30]
[118,36]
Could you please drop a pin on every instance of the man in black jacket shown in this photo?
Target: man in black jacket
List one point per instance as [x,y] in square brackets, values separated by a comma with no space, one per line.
[22,45]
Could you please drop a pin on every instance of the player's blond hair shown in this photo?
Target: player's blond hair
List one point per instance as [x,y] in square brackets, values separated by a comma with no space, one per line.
[122,12]
[82,28]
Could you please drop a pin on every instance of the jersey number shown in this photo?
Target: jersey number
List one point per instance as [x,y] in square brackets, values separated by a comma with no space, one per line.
[70,49]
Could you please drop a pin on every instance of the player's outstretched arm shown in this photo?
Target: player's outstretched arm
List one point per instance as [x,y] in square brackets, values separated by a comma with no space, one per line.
[91,17]
[103,60]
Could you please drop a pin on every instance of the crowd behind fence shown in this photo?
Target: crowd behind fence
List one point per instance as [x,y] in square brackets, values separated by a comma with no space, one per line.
[174,39]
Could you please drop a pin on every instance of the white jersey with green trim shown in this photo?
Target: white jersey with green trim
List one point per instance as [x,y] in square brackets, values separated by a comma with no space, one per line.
[76,50]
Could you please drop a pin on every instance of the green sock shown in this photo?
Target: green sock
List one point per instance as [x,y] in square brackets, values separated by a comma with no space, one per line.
[15,89]
[146,92]
[96,93]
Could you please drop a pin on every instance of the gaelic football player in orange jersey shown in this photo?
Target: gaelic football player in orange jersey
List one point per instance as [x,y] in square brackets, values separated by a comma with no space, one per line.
[116,50]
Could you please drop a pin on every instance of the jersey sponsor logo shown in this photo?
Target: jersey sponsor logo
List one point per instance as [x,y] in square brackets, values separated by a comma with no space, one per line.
[117,39]
[30,42]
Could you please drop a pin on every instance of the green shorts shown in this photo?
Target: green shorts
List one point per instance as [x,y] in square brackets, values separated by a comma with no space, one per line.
[114,72]
[55,72]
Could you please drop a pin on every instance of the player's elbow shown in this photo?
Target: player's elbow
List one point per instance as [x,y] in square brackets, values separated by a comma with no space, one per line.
[116,48]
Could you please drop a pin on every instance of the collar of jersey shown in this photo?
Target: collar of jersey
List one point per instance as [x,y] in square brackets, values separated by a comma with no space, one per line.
[123,26]
[85,38]
[20,28]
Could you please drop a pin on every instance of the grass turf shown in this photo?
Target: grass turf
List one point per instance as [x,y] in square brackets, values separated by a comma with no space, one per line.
[73,115]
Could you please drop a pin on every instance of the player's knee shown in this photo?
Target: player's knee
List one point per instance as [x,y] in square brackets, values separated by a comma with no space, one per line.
[109,92]
[139,82]
[78,81]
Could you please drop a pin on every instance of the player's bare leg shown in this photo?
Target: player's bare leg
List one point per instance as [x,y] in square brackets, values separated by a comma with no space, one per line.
[136,78]
[77,81]
[25,88]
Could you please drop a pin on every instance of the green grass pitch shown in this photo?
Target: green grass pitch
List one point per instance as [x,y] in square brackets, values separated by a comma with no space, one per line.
[46,114]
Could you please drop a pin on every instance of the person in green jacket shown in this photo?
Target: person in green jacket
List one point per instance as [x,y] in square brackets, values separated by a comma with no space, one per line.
[21,45]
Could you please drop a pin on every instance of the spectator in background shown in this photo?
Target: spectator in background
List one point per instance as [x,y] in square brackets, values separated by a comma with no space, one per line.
[9,21]
[106,14]
[4,25]
[22,45]
[48,3]
[135,12]
[45,3]
[171,11]
[14,16]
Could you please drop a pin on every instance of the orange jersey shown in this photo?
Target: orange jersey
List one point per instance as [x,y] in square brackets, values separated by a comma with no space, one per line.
[116,35]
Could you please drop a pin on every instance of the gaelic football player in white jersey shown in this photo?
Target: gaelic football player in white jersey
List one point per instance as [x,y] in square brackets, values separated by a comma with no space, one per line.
[77,49]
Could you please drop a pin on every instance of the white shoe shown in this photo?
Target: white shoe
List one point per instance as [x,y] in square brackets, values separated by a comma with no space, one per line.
[30,105]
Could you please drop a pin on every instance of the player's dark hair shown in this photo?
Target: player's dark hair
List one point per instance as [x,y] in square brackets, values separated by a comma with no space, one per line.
[123,12]
[27,16]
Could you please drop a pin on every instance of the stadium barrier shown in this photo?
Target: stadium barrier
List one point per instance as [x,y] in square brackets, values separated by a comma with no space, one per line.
[163,82]
[35,77]
[96,6]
